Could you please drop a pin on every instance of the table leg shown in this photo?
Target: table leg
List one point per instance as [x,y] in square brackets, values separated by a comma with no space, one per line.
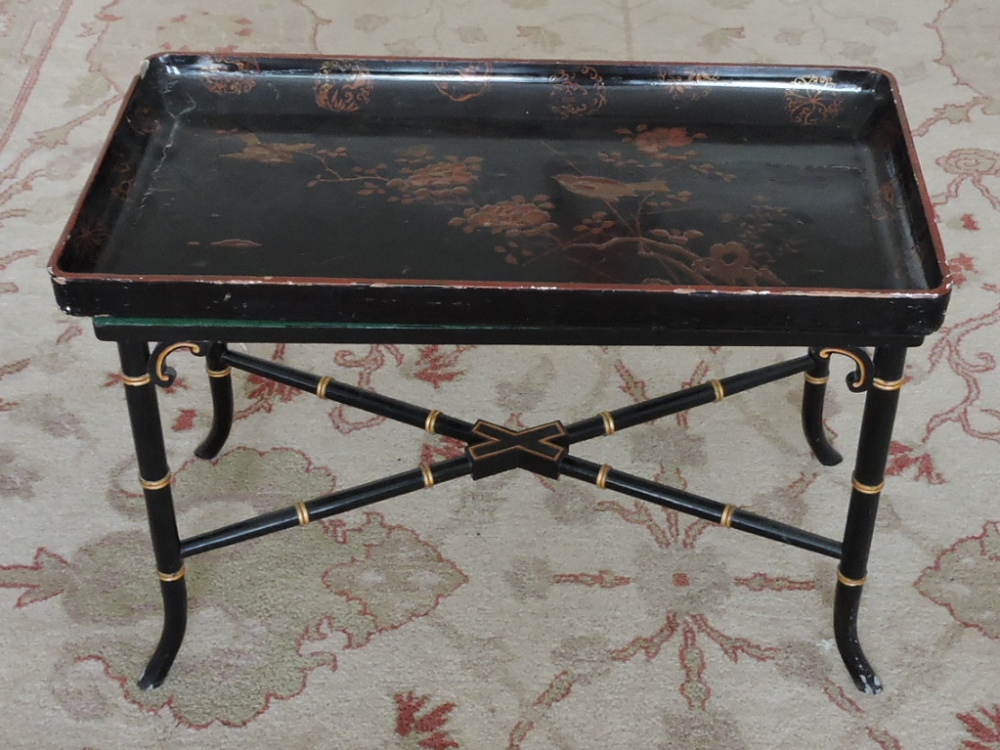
[867,484]
[813,398]
[221,384]
[154,476]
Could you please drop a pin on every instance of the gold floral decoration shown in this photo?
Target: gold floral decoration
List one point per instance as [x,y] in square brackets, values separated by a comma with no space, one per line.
[577,92]
[691,86]
[514,217]
[730,263]
[230,76]
[464,81]
[813,100]
[343,86]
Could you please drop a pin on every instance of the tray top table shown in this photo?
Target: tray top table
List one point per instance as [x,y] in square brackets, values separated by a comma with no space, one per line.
[257,198]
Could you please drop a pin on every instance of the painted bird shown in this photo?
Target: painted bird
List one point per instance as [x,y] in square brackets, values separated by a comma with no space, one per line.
[608,189]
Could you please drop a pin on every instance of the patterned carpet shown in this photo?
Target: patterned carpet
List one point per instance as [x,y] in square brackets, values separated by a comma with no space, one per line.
[515,612]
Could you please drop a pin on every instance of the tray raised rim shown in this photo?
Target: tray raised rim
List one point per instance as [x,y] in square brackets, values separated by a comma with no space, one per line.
[61,277]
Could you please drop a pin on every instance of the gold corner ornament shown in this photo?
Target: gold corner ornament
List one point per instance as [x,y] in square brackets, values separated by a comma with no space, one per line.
[862,365]
[164,374]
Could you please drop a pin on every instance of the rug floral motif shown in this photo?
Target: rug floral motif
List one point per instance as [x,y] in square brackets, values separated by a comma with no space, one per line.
[263,615]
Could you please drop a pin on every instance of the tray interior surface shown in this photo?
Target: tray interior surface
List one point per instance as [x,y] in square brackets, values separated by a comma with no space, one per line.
[715,186]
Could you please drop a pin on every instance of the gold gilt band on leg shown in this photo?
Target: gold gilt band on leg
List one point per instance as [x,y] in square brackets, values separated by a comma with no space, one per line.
[431,422]
[602,476]
[720,392]
[853,582]
[888,385]
[135,381]
[727,516]
[303,513]
[813,380]
[322,385]
[171,577]
[158,484]
[867,489]
[219,373]
[609,423]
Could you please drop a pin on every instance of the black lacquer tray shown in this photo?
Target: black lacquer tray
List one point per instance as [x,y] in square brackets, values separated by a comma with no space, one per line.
[676,201]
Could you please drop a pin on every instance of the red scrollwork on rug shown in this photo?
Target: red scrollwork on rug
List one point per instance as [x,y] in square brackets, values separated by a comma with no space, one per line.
[422,727]
[353,583]
[984,726]
[972,165]
[963,581]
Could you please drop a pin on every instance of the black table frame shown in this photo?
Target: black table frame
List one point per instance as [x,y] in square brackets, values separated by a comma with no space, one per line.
[491,449]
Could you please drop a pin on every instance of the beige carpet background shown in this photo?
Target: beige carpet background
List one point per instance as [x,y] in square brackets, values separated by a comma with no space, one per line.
[515,612]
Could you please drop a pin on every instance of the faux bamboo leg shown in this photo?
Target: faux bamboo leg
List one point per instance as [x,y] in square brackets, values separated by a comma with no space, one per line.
[813,398]
[221,384]
[154,476]
[867,484]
